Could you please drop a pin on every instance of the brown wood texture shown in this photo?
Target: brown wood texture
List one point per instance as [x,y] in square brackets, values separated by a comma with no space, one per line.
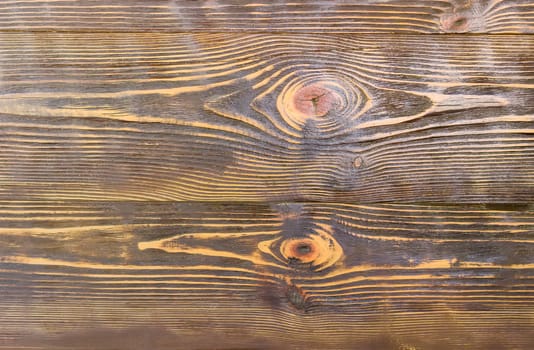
[365,16]
[237,117]
[266,175]
[125,275]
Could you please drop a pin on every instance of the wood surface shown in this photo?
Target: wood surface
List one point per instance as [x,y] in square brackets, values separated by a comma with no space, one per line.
[121,275]
[304,16]
[231,117]
[266,175]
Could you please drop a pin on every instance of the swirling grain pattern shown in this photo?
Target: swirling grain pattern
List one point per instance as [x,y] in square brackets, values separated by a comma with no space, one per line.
[319,16]
[235,117]
[285,275]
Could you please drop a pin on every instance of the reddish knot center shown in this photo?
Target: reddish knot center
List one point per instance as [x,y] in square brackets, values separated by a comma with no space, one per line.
[303,250]
[315,100]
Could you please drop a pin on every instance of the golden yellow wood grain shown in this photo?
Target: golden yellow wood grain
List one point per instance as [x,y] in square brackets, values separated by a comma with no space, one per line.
[123,274]
[362,16]
[234,117]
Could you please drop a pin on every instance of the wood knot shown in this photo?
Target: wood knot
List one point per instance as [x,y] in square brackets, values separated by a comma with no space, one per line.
[357,162]
[331,102]
[454,23]
[466,17]
[316,251]
[316,100]
[303,250]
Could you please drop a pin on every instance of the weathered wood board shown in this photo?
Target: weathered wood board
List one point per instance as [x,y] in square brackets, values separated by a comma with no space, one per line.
[228,174]
[232,117]
[125,275]
[304,16]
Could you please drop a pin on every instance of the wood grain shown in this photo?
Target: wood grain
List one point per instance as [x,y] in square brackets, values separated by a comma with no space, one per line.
[82,275]
[228,117]
[367,16]
[208,174]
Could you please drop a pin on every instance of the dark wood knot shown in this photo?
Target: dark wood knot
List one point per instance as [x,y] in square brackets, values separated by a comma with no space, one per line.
[316,251]
[303,250]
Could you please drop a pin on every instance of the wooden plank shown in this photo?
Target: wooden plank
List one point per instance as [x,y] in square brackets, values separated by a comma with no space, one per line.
[238,117]
[367,16]
[85,275]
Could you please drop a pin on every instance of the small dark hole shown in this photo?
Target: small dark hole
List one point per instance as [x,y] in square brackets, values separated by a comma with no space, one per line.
[303,249]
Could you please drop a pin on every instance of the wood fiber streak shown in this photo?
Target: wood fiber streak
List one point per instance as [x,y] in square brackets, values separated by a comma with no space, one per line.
[367,16]
[125,275]
[233,117]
